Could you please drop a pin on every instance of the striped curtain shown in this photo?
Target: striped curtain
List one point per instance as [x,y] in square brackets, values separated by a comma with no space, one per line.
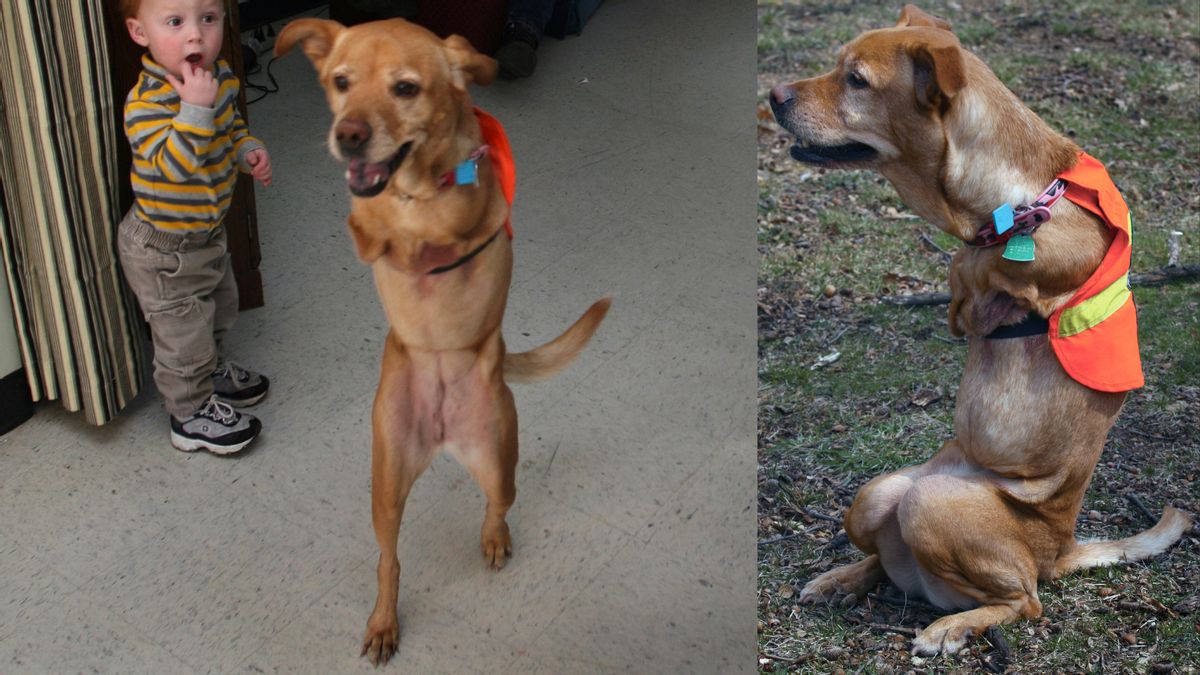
[79,329]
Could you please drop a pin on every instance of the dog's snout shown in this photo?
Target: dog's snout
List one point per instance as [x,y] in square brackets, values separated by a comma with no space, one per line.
[782,95]
[781,99]
[352,134]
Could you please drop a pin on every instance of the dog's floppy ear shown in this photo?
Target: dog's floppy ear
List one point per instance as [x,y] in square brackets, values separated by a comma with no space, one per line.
[912,15]
[316,37]
[938,72]
[468,62]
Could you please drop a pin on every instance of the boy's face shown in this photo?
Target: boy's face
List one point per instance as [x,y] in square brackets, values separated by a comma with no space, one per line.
[181,35]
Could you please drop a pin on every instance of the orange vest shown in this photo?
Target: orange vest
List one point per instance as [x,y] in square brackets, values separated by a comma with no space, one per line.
[1095,334]
[500,152]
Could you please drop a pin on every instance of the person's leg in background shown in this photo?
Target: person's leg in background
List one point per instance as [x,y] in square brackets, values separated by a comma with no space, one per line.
[523,30]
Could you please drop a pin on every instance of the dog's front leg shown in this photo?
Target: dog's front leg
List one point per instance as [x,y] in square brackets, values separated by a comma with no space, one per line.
[388,494]
[398,457]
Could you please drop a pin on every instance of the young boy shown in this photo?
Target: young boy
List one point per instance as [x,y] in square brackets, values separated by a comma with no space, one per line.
[188,143]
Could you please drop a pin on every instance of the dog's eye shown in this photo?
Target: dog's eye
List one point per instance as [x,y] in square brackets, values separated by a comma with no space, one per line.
[405,89]
[341,83]
[856,81]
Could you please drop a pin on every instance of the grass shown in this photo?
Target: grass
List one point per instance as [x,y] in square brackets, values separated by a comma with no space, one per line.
[1123,80]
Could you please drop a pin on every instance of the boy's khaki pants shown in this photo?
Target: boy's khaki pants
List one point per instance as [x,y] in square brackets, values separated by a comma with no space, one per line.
[185,286]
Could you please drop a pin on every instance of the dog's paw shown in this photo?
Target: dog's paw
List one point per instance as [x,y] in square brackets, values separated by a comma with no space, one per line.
[945,636]
[825,588]
[497,545]
[381,640]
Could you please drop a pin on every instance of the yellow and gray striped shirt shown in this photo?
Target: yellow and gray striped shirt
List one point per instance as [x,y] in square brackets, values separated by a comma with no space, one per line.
[185,157]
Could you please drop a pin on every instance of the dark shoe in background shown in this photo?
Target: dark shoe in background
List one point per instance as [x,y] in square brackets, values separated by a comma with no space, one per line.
[517,55]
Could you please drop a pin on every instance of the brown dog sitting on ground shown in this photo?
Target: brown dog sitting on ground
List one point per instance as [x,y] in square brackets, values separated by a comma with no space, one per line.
[975,527]
[431,180]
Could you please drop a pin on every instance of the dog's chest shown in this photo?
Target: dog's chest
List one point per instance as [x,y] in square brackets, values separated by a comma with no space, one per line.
[441,312]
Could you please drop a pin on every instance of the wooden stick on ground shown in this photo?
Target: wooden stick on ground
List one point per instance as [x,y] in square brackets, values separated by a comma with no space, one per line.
[1142,508]
[1158,277]
[903,630]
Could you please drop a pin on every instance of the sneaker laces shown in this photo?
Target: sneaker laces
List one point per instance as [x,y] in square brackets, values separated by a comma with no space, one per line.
[232,371]
[218,411]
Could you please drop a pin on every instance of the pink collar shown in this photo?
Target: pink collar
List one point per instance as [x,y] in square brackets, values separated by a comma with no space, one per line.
[1025,219]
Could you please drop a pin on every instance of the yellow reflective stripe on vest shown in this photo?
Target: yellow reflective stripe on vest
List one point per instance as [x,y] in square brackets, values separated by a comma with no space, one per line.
[1094,310]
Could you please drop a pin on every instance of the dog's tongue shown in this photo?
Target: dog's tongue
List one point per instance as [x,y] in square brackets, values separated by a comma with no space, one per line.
[364,176]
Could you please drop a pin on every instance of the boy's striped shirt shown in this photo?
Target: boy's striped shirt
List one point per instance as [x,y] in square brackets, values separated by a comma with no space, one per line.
[185,157]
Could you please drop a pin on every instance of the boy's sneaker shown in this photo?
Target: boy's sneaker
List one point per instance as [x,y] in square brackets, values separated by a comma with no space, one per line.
[216,427]
[237,386]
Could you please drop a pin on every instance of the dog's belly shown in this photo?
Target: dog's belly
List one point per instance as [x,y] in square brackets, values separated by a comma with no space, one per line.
[1019,414]
[452,401]
[907,574]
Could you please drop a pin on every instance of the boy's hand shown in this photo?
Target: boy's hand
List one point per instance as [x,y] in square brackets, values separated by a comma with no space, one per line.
[198,87]
[260,165]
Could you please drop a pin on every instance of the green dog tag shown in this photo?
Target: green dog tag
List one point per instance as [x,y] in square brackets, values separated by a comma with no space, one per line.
[1019,248]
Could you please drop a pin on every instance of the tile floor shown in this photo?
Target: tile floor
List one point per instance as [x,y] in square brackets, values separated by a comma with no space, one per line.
[634,523]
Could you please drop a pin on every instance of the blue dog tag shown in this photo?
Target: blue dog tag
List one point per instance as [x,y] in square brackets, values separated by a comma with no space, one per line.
[1002,217]
[465,174]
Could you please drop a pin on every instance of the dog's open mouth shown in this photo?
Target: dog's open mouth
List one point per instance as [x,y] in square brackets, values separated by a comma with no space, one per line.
[834,154]
[366,179]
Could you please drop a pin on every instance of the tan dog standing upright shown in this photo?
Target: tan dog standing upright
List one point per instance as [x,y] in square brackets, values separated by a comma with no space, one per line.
[975,527]
[403,121]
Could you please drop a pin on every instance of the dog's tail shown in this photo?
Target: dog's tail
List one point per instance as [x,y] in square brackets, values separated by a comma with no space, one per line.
[544,361]
[1153,541]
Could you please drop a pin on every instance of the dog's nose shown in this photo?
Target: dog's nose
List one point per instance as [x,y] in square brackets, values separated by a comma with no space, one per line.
[352,134]
[782,95]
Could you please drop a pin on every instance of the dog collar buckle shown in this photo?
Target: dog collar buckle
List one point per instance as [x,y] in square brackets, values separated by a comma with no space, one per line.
[1008,222]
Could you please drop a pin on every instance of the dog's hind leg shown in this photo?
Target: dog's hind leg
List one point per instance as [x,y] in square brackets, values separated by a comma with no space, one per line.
[872,526]
[856,578]
[974,551]
[949,634]
[495,469]
[398,457]
[873,512]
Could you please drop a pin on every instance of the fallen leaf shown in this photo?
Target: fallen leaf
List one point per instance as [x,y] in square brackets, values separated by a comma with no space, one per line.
[826,360]
[924,397]
[832,653]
